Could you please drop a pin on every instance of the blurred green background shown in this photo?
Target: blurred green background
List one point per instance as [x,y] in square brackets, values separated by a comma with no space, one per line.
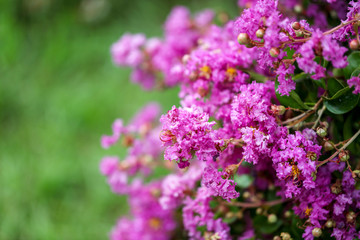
[59,92]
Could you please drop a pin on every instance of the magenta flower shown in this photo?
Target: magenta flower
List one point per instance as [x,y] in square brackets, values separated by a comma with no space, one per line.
[220,183]
[354,82]
[187,130]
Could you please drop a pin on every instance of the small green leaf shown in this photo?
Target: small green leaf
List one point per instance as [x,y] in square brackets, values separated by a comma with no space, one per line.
[320,83]
[262,225]
[325,63]
[202,228]
[354,62]
[213,204]
[243,180]
[289,53]
[342,101]
[338,72]
[293,100]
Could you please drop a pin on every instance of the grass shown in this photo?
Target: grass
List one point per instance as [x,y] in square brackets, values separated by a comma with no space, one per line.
[59,93]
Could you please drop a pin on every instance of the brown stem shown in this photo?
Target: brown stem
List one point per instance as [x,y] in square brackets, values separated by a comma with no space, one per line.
[319,117]
[240,162]
[325,33]
[294,109]
[338,151]
[303,116]
[340,26]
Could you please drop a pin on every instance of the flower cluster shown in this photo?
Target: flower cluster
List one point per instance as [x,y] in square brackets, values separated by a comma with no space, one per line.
[149,57]
[295,161]
[141,137]
[185,131]
[149,220]
[267,119]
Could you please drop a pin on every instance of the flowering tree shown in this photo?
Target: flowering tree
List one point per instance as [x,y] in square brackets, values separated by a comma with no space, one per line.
[264,144]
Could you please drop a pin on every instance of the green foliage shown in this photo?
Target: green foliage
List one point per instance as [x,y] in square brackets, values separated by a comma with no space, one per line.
[354,63]
[341,99]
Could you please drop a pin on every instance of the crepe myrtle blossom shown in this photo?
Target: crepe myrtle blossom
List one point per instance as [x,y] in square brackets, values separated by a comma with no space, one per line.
[328,204]
[321,45]
[141,138]
[295,162]
[355,82]
[265,154]
[149,220]
[220,183]
[197,212]
[153,56]
[187,130]
[176,187]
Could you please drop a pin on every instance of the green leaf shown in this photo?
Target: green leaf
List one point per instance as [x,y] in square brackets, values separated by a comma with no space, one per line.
[257,77]
[354,62]
[293,100]
[320,83]
[201,228]
[289,53]
[243,180]
[338,72]
[262,225]
[333,86]
[296,232]
[325,63]
[342,101]
[356,72]
[338,93]
[300,76]
[213,204]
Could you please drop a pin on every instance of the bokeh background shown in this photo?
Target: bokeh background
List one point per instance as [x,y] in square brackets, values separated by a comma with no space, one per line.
[59,92]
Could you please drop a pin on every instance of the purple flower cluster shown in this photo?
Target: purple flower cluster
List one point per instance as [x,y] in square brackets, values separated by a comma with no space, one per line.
[149,57]
[345,32]
[263,26]
[244,147]
[354,82]
[197,212]
[295,162]
[330,204]
[175,187]
[187,130]
[141,137]
[220,183]
[322,45]
[212,72]
[149,220]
